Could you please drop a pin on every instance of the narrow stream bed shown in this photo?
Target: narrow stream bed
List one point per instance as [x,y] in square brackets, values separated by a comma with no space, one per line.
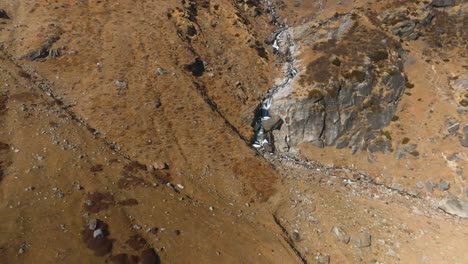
[283,46]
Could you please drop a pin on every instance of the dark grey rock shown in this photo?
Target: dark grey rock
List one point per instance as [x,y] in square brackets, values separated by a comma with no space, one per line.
[342,143]
[429,186]
[363,240]
[40,53]
[92,224]
[405,28]
[427,20]
[3,14]
[455,156]
[464,141]
[43,51]
[455,206]
[465,130]
[380,145]
[397,187]
[443,185]
[197,67]
[404,150]
[340,234]
[296,236]
[345,112]
[453,129]
[121,84]
[157,103]
[442,3]
[190,30]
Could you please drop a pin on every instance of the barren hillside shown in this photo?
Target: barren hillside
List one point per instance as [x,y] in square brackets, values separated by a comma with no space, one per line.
[216,131]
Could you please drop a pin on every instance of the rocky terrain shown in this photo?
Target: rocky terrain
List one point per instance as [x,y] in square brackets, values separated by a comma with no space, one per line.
[215,131]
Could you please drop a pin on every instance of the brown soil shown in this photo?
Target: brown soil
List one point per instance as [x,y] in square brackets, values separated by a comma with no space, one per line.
[75,145]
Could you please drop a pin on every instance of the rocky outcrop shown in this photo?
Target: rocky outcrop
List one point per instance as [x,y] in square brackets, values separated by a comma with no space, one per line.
[346,93]
[455,206]
[440,27]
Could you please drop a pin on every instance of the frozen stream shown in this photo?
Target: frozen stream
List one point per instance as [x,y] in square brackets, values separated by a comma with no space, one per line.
[284,47]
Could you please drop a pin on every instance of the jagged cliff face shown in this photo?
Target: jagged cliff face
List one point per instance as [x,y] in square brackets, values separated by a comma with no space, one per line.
[348,87]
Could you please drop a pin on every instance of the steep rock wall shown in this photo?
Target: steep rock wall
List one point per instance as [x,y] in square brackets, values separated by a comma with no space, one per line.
[348,90]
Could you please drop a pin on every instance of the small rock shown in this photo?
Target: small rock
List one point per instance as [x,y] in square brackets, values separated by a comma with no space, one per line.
[197,67]
[21,250]
[170,185]
[442,3]
[443,185]
[453,129]
[121,84]
[78,186]
[152,230]
[92,224]
[136,227]
[465,129]
[89,203]
[414,192]
[98,233]
[363,240]
[159,71]
[30,188]
[296,236]
[342,143]
[157,103]
[455,206]
[160,165]
[429,187]
[322,259]
[340,234]
[419,185]
[3,14]
[455,157]
[464,141]
[40,53]
[397,187]
[180,186]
